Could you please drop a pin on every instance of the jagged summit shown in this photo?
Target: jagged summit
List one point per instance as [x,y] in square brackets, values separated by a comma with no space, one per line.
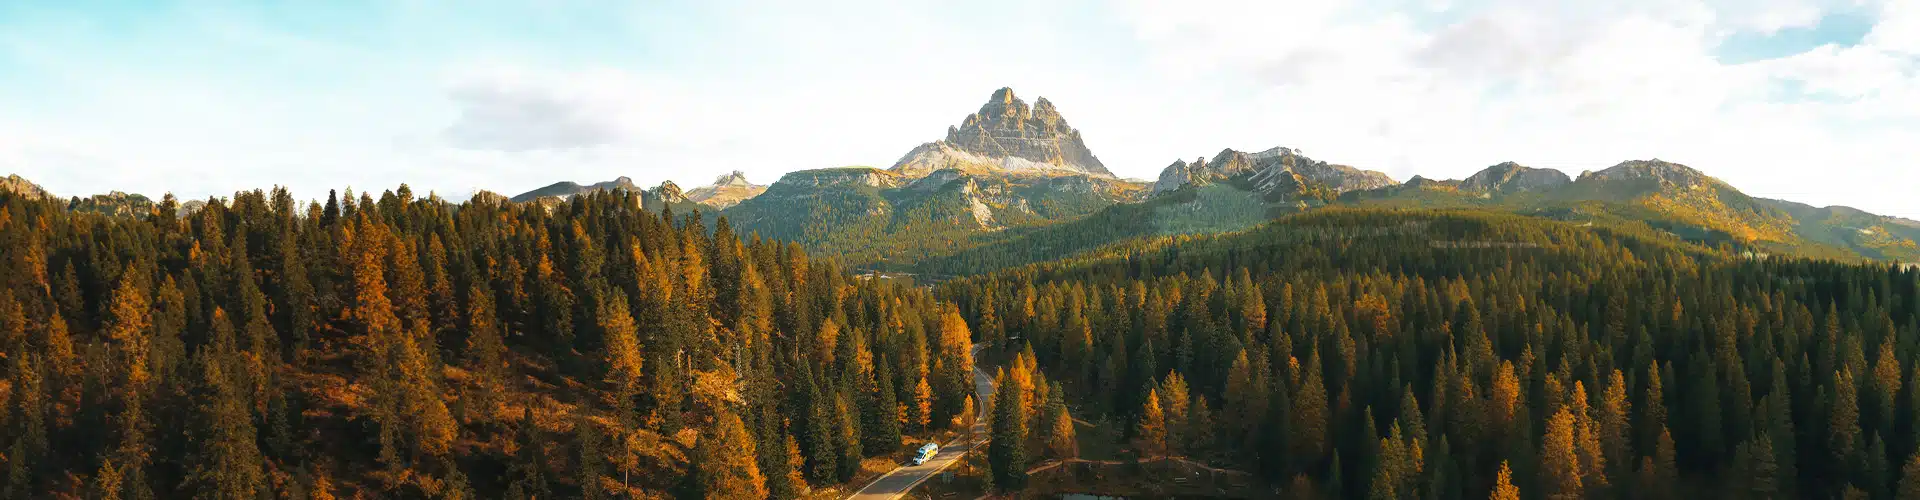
[16,184]
[1007,135]
[734,178]
[667,190]
[726,191]
[1280,171]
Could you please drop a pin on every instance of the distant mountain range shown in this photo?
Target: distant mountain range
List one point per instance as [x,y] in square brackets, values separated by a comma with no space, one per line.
[1013,183]
[1006,166]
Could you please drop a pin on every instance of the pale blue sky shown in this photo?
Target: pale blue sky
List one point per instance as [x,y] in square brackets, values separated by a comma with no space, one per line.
[1811,100]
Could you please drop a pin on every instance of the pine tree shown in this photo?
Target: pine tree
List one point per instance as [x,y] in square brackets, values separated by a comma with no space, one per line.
[724,461]
[922,405]
[1503,488]
[27,426]
[526,474]
[590,463]
[1062,440]
[228,462]
[621,340]
[1200,425]
[791,484]
[820,429]
[1843,430]
[882,413]
[1593,465]
[1613,426]
[130,319]
[1006,454]
[485,355]
[1559,460]
[1653,413]
[1174,400]
[1909,488]
[1310,413]
[1150,434]
[953,354]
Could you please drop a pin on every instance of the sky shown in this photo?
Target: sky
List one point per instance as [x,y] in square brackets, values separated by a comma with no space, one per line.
[1816,101]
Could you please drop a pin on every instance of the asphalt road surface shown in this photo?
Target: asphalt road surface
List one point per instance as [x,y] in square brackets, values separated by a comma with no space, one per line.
[897,483]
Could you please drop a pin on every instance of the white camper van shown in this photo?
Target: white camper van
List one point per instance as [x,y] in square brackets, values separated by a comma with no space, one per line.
[926,453]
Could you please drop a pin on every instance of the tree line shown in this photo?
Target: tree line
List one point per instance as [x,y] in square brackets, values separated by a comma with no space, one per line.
[415,348]
[1361,353]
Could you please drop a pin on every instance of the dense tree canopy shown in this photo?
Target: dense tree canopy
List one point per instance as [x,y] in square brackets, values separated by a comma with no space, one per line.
[406,348]
[1472,355]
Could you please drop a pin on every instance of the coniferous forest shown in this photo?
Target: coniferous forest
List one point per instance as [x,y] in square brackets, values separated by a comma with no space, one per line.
[1372,354]
[396,347]
[411,348]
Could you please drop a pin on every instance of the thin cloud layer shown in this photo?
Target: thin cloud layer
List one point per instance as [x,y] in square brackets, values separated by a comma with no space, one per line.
[510,95]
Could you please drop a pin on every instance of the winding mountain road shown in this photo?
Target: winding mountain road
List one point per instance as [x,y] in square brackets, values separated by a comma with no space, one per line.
[901,480]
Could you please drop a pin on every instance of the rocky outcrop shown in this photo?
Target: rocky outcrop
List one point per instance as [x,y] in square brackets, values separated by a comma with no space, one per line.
[1282,171]
[567,189]
[1418,182]
[667,192]
[726,191]
[190,207]
[15,184]
[1510,177]
[1006,135]
[486,196]
[847,176]
[113,203]
[1666,173]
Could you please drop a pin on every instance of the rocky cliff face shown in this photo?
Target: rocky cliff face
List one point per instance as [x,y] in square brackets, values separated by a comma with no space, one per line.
[726,191]
[1007,135]
[667,192]
[1278,171]
[1667,174]
[1510,177]
[15,184]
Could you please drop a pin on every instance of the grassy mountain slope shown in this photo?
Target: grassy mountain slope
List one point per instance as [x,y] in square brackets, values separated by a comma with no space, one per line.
[1651,197]
[875,217]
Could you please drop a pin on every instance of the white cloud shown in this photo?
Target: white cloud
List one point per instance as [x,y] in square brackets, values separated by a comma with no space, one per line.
[1571,85]
[1439,88]
[524,119]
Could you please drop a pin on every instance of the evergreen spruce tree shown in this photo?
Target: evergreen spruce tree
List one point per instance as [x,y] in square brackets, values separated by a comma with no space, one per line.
[1006,452]
[1503,488]
[1559,461]
[724,461]
[1150,434]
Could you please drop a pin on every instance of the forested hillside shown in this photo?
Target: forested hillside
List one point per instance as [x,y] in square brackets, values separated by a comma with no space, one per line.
[1457,354]
[406,348]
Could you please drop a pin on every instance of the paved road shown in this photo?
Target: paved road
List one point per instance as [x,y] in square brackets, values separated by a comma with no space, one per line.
[900,481]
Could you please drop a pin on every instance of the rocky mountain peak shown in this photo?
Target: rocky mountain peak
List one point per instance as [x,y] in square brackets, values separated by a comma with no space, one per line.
[1007,135]
[1667,173]
[734,178]
[669,192]
[1512,177]
[1278,168]
[726,191]
[21,186]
